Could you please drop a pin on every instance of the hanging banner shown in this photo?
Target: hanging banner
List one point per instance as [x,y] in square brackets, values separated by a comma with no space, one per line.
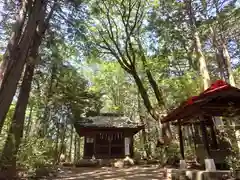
[127,146]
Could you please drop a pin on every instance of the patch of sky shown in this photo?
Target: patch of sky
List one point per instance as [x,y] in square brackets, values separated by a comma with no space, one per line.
[1,11]
[237,4]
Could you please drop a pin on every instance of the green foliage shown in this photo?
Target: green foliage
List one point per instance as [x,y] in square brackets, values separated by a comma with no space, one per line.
[110,79]
[6,126]
[36,153]
[80,72]
[233,159]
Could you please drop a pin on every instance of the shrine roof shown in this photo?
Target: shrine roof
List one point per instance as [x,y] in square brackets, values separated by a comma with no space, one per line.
[220,99]
[107,120]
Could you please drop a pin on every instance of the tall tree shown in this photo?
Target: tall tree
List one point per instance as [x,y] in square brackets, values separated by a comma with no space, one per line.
[220,41]
[8,158]
[119,34]
[17,52]
[197,44]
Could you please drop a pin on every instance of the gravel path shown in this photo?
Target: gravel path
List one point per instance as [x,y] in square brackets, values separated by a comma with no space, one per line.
[108,173]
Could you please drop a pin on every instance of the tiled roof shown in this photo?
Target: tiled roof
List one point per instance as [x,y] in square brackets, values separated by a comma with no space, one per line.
[107,120]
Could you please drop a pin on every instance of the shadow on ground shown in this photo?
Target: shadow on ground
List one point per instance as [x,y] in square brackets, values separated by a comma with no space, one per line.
[108,173]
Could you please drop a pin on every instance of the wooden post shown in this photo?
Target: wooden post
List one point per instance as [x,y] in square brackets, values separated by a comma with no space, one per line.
[181,140]
[109,145]
[84,147]
[131,148]
[194,137]
[209,162]
[213,134]
[94,144]
[205,137]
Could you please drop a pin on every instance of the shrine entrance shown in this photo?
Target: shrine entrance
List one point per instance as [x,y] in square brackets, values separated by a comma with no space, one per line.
[110,144]
[107,136]
[105,145]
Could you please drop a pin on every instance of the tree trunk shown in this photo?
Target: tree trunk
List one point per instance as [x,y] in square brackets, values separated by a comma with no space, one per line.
[144,134]
[14,39]
[143,93]
[62,143]
[29,122]
[197,45]
[219,59]
[223,58]
[202,62]
[75,148]
[18,57]
[56,144]
[9,155]
[165,134]
[151,80]
[78,149]
[44,121]
[164,129]
[144,138]
[227,60]
[70,146]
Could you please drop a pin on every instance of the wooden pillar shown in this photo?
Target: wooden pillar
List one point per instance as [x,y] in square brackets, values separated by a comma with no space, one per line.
[181,140]
[131,147]
[205,137]
[84,147]
[213,135]
[109,146]
[94,144]
[194,136]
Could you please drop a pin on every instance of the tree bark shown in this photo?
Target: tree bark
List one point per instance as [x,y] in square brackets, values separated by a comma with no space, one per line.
[9,155]
[143,93]
[44,121]
[56,144]
[14,39]
[75,148]
[18,57]
[222,47]
[197,45]
[70,147]
[144,134]
[219,59]
[223,58]
[132,18]
[78,149]
[202,62]
[62,143]
[29,122]
[151,80]
[8,158]
[227,59]
[164,129]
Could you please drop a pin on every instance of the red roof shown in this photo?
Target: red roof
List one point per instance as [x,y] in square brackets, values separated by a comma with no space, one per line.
[193,105]
[216,86]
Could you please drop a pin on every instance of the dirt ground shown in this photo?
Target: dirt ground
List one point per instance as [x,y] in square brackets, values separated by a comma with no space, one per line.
[108,173]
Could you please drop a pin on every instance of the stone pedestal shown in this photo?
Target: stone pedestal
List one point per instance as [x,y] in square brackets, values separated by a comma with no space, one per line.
[183,164]
[210,165]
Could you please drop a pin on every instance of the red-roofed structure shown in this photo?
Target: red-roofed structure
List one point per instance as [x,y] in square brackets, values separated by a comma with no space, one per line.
[220,99]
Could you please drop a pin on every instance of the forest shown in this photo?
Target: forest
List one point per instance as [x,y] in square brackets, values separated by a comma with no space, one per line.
[62,59]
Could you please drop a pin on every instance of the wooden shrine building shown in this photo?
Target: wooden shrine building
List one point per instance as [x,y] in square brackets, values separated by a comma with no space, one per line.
[107,135]
[219,100]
